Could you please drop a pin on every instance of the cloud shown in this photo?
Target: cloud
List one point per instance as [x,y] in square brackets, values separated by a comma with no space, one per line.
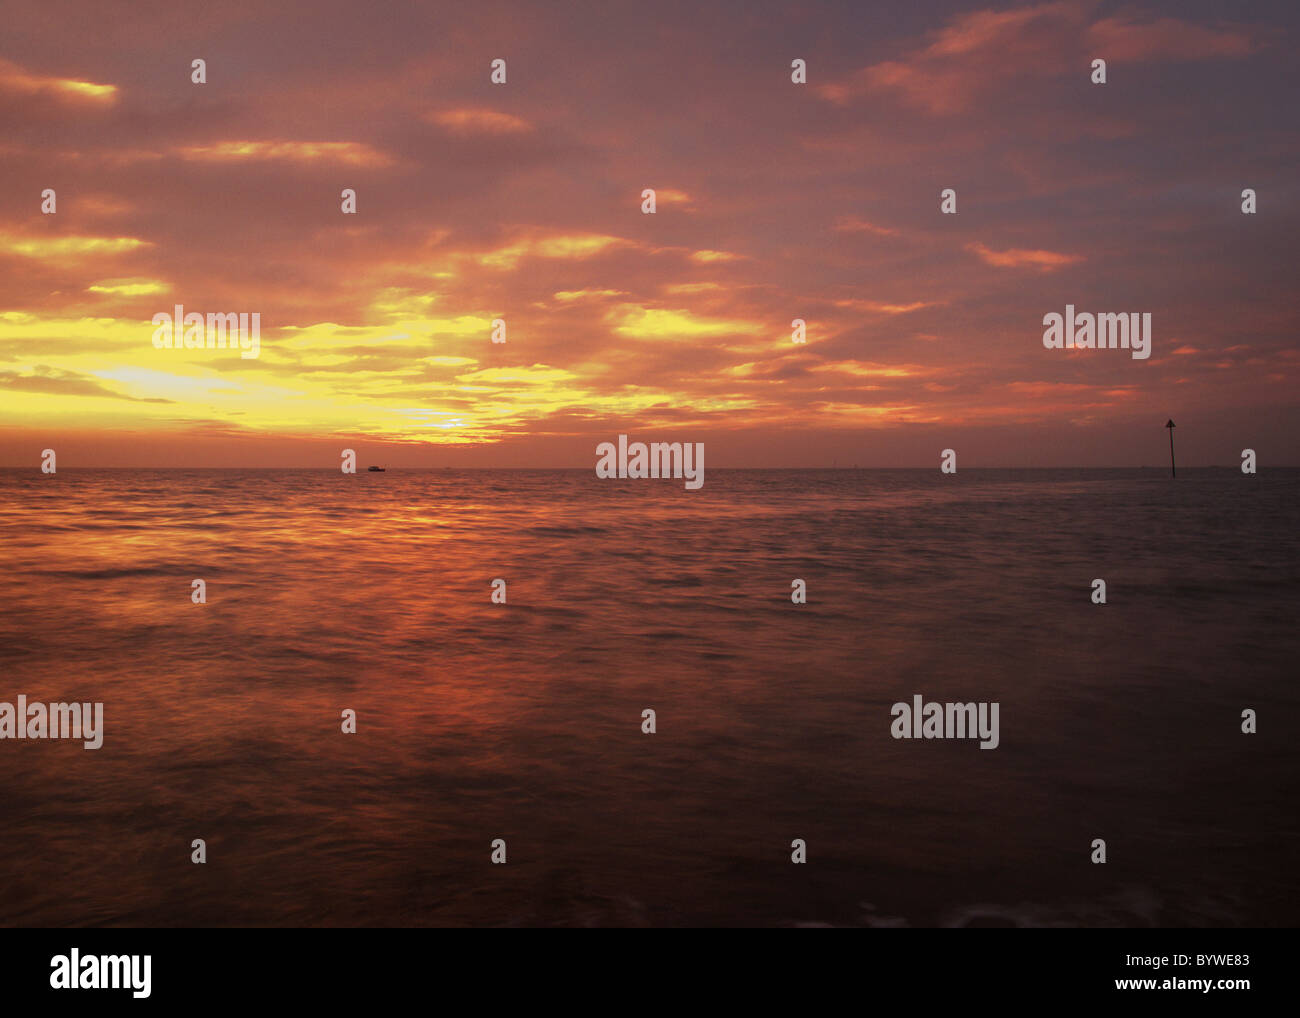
[980,52]
[867,369]
[851,224]
[555,245]
[968,55]
[105,205]
[16,81]
[479,121]
[350,153]
[1018,258]
[54,381]
[883,307]
[523,204]
[662,323]
[707,257]
[694,288]
[569,296]
[67,246]
[1122,38]
[129,287]
[673,196]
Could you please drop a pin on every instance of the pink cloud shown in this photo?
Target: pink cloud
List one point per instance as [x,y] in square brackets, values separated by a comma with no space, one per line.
[979,52]
[1118,38]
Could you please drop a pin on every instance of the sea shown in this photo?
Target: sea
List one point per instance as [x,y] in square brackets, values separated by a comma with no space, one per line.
[523,723]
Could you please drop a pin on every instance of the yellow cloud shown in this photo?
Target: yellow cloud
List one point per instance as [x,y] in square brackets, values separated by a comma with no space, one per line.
[352,153]
[567,296]
[414,332]
[129,287]
[536,374]
[661,323]
[562,245]
[45,334]
[706,257]
[397,303]
[66,246]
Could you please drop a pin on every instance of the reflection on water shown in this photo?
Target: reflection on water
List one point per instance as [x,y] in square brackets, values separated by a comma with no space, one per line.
[522,721]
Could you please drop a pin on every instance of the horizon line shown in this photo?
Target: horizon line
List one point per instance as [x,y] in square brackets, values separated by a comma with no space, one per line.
[553,469]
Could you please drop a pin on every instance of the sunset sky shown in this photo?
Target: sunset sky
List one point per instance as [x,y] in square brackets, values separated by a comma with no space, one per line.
[522,201]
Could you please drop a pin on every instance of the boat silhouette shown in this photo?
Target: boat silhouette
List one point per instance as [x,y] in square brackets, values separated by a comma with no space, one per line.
[375,470]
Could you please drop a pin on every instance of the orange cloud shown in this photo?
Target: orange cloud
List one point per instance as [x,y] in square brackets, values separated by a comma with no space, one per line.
[883,307]
[568,296]
[1016,258]
[690,288]
[851,224]
[103,204]
[478,121]
[1057,388]
[867,369]
[14,79]
[560,245]
[705,257]
[350,152]
[672,196]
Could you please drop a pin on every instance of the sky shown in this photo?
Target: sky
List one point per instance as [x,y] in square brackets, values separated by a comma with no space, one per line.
[522,201]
